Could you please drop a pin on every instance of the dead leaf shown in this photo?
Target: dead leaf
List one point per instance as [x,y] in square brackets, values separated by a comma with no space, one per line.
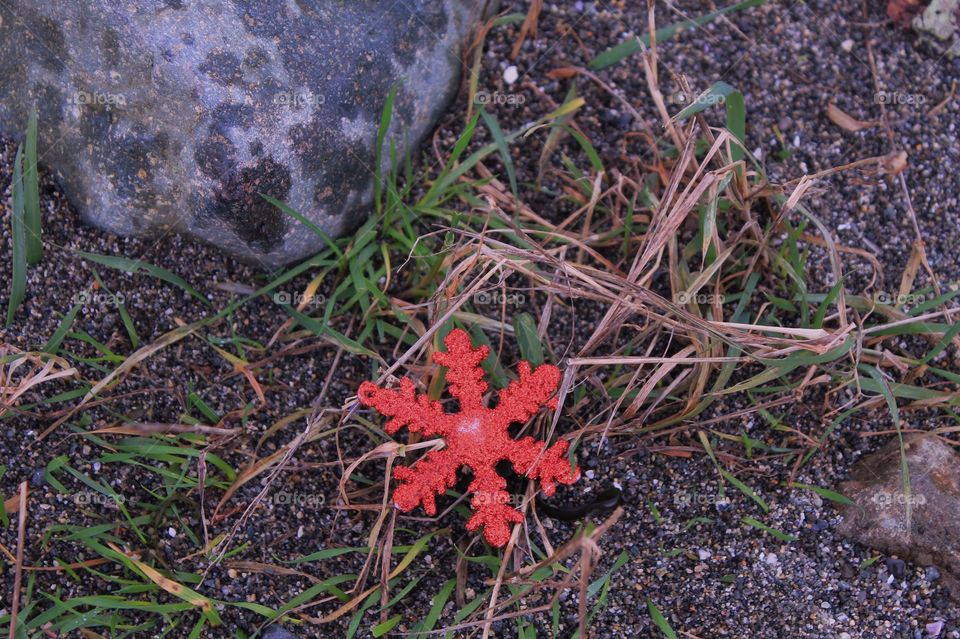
[562,73]
[902,12]
[893,163]
[847,122]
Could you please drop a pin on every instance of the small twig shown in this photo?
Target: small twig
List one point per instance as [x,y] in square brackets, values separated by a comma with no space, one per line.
[21,539]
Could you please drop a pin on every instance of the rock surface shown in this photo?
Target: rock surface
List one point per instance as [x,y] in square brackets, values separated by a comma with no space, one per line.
[171,115]
[941,20]
[879,518]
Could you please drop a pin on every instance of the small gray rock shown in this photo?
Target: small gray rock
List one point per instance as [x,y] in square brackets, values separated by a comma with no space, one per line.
[38,478]
[278,632]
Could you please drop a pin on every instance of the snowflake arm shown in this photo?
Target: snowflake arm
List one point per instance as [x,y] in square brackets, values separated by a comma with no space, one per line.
[463,369]
[548,465]
[491,507]
[522,398]
[432,475]
[418,413]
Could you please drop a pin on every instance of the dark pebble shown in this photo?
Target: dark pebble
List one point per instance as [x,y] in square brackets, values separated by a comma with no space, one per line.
[278,632]
[37,479]
[897,567]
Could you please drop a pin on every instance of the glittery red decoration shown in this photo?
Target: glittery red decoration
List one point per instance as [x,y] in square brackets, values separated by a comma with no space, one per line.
[476,437]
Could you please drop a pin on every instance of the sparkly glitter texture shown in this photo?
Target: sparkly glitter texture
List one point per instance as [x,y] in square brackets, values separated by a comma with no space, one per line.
[476,437]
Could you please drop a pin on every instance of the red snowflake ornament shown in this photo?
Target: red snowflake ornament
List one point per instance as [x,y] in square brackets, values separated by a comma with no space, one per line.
[476,437]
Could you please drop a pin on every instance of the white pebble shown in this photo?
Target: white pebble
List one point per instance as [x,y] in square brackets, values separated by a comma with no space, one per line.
[847,45]
[511,74]
[704,554]
[171,531]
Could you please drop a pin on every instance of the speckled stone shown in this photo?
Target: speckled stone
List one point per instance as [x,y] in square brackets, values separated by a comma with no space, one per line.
[177,115]
[879,518]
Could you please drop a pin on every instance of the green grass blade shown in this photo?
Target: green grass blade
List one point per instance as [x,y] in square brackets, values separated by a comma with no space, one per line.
[31,193]
[615,54]
[895,415]
[826,494]
[498,138]
[385,117]
[660,621]
[525,329]
[759,525]
[137,266]
[306,222]
[18,283]
[53,345]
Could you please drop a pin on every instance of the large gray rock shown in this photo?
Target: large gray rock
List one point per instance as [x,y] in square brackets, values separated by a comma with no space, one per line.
[175,114]
[879,518]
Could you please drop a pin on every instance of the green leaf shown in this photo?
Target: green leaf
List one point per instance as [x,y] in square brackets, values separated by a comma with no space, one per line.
[137,266]
[525,329]
[53,345]
[895,414]
[750,521]
[383,628]
[746,490]
[436,609]
[285,208]
[31,193]
[497,134]
[615,54]
[660,621]
[826,494]
[385,117]
[18,283]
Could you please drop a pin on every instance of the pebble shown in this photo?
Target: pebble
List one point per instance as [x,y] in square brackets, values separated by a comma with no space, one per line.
[847,45]
[897,567]
[511,74]
[38,478]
